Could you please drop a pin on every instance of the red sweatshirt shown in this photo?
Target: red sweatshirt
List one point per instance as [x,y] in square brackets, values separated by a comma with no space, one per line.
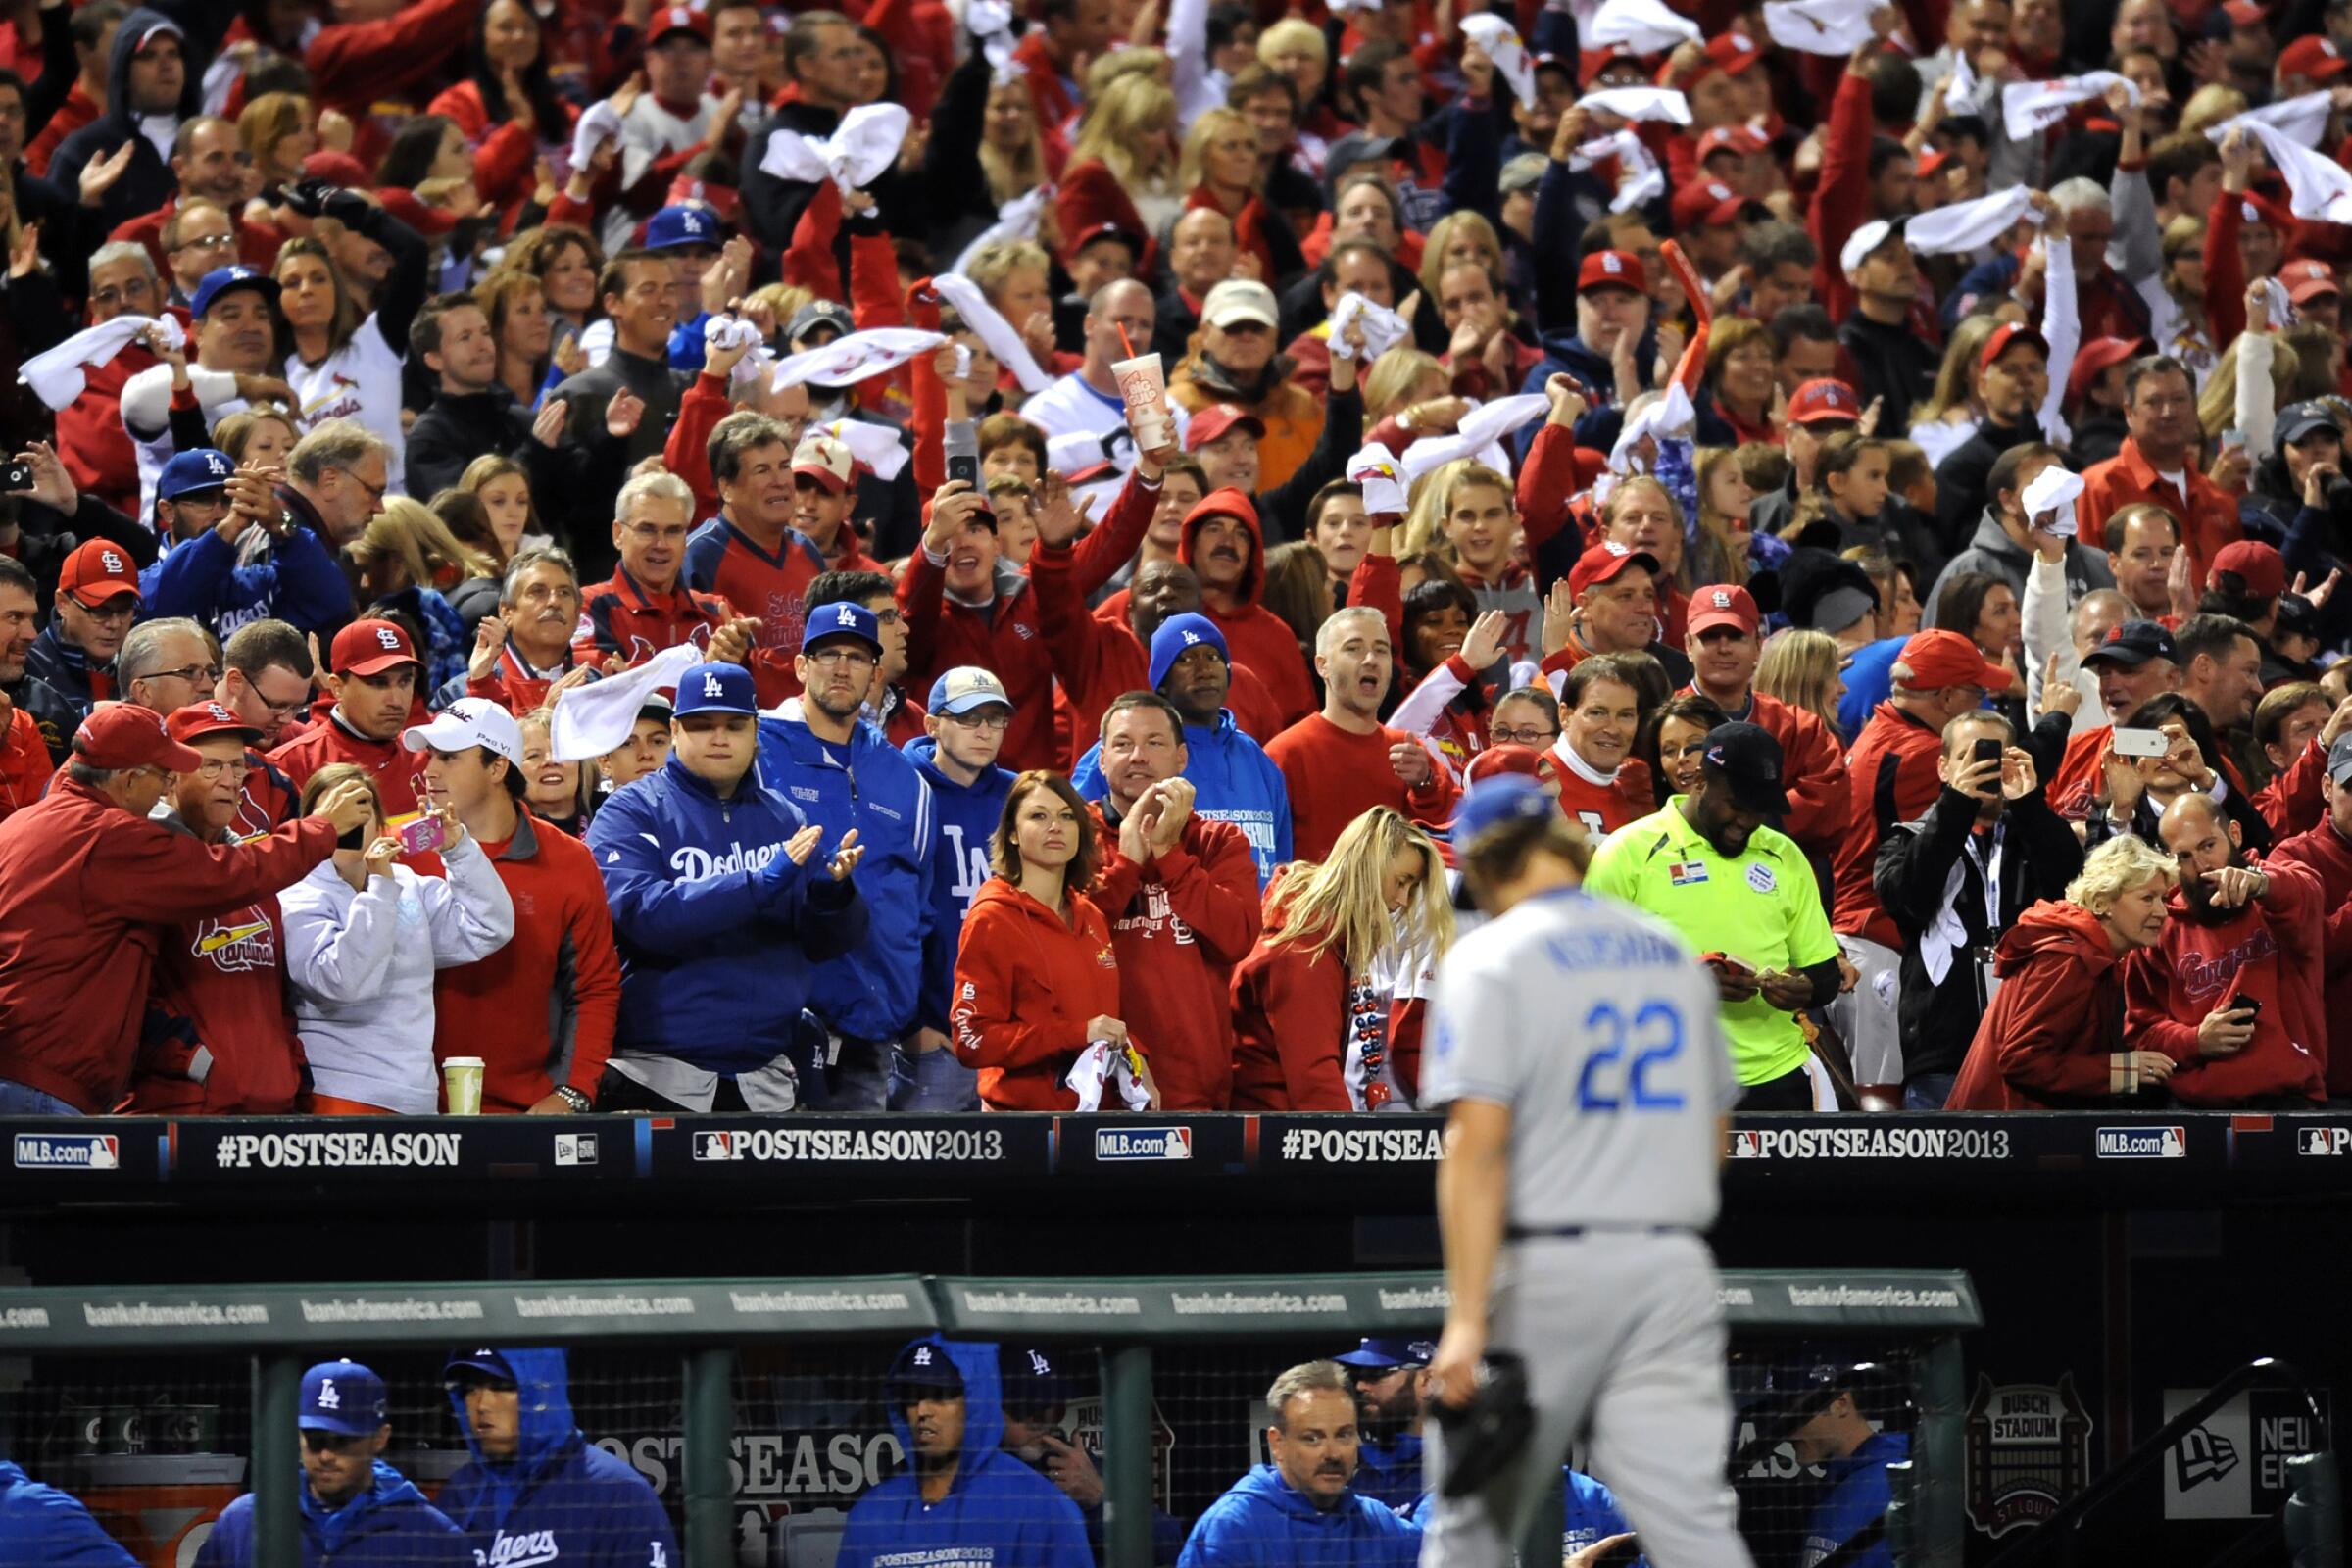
[2049,1038]
[540,1010]
[2272,950]
[1335,776]
[1179,922]
[1297,1020]
[2325,853]
[1890,777]
[1842,201]
[1025,986]
[1812,766]
[90,889]
[504,150]
[2291,802]
[1253,634]
[353,64]
[25,766]
[395,768]
[687,452]
[91,439]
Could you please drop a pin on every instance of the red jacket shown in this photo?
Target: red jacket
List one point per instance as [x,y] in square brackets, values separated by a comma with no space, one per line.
[394,767]
[1890,777]
[1297,1020]
[2291,802]
[91,439]
[1179,923]
[2272,949]
[539,1010]
[353,64]
[1025,986]
[1055,109]
[88,889]
[618,616]
[513,685]
[1812,766]
[2208,514]
[2324,853]
[1253,634]
[2049,1038]
[504,150]
[25,766]
[1335,776]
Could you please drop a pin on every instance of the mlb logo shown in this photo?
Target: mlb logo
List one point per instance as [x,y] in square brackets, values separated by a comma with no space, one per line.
[1748,1146]
[2326,1142]
[716,1145]
[575,1149]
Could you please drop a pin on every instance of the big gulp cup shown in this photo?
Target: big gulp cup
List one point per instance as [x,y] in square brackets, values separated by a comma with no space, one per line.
[462,1085]
[1143,384]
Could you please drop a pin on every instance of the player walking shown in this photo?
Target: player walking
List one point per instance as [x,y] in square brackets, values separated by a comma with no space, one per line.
[1575,1043]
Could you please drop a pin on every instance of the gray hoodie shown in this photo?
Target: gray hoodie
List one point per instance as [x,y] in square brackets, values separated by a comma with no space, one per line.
[1991,550]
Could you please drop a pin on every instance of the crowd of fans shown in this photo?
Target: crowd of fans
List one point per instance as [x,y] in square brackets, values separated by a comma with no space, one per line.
[723,557]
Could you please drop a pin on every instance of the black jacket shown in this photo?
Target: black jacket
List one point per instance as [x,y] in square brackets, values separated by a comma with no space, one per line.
[2036,857]
[148,183]
[1961,490]
[454,430]
[1892,362]
[772,207]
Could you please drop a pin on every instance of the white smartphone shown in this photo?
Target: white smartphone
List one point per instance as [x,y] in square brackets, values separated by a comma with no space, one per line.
[2141,743]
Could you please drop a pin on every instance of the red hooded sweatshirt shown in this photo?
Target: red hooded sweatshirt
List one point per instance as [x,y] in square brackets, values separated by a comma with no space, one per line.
[2269,951]
[1025,986]
[1254,635]
[1296,1016]
[1890,777]
[2049,1039]
[2326,855]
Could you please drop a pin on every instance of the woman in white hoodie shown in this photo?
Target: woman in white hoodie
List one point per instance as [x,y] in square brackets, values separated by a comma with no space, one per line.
[364,936]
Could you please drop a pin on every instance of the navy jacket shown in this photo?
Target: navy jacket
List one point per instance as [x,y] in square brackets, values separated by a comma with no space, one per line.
[64,669]
[1856,1501]
[1265,1523]
[148,183]
[710,913]
[390,1525]
[968,815]
[40,1524]
[559,1498]
[1233,780]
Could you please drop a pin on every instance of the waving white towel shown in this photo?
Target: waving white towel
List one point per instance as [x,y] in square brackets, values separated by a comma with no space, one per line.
[1639,103]
[853,157]
[1377,469]
[1504,45]
[2030,108]
[847,361]
[1819,27]
[1965,225]
[592,719]
[599,124]
[1670,414]
[877,446]
[995,331]
[1384,328]
[1481,428]
[57,377]
[2303,120]
[1645,27]
[2053,490]
[2319,186]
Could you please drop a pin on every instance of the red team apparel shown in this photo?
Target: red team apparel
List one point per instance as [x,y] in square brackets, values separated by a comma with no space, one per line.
[1335,776]
[2269,951]
[620,618]
[1892,775]
[219,1039]
[724,562]
[2326,855]
[1025,986]
[1307,1036]
[1602,805]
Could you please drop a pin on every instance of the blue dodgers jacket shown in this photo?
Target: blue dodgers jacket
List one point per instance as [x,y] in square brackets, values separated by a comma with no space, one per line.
[1233,780]
[968,815]
[1589,1514]
[721,934]
[1263,1522]
[40,1524]
[869,991]
[997,1511]
[559,1498]
[297,582]
[1855,1500]
[390,1525]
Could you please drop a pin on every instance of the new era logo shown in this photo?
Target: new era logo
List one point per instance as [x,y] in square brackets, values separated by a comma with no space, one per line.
[2204,1456]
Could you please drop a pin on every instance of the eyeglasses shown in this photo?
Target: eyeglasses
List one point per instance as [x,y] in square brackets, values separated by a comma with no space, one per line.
[217,767]
[645,533]
[122,606]
[118,298]
[376,492]
[838,655]
[280,709]
[201,674]
[205,242]
[1501,735]
[984,718]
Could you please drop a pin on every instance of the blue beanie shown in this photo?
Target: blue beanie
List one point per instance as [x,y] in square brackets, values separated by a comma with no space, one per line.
[1175,635]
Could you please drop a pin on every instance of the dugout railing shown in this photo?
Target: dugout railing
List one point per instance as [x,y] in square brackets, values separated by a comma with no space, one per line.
[1168,1356]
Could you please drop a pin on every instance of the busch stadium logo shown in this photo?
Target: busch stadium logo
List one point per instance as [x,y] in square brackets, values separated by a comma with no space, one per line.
[2029,1450]
[2326,1140]
[68,1151]
[2142,1143]
[1143,1143]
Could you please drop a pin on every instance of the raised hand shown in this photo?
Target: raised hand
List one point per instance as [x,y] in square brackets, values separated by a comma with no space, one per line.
[623,414]
[489,641]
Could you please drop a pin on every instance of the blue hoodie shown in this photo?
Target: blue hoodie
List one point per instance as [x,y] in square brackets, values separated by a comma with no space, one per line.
[559,1498]
[1589,1514]
[968,815]
[1855,1498]
[869,991]
[996,1510]
[40,1524]
[1265,1521]
[298,582]
[390,1525]
[711,913]
[1233,780]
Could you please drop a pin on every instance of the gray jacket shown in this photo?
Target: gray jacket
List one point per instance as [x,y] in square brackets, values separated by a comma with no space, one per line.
[1992,549]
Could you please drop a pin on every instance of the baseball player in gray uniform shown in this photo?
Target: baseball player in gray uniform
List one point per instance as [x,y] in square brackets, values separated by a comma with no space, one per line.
[1574,1041]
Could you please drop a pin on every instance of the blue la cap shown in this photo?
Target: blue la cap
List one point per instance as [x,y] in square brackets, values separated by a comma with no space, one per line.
[924,1366]
[716,688]
[1175,635]
[479,1363]
[220,279]
[1029,1380]
[342,1396]
[964,688]
[687,224]
[842,618]
[1382,1356]
[198,469]
[1498,798]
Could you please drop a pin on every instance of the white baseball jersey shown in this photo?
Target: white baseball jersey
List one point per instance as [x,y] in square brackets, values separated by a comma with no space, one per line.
[1595,1027]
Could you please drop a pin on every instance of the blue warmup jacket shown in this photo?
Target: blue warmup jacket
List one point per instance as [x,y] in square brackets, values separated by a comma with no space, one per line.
[870,991]
[298,583]
[1589,1514]
[998,1510]
[721,934]
[1263,1523]
[40,1524]
[1390,1473]
[559,1498]
[1233,780]
[968,815]
[1854,1500]
[390,1525]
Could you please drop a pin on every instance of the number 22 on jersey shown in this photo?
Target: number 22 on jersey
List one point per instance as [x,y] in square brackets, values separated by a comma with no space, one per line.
[1620,1053]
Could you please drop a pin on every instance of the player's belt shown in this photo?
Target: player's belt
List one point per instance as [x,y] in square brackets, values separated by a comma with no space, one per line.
[1543,1233]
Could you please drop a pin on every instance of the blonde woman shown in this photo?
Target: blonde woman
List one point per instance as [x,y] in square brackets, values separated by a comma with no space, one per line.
[1458,238]
[1949,415]
[2251,410]
[1720,553]
[1220,169]
[1805,669]
[1295,47]
[408,555]
[278,134]
[346,365]
[1405,378]
[984,149]
[1122,167]
[1311,1001]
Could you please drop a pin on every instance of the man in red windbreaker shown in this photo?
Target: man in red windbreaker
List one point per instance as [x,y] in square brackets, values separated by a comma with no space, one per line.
[2231,993]
[1181,895]
[2324,850]
[376,671]
[88,885]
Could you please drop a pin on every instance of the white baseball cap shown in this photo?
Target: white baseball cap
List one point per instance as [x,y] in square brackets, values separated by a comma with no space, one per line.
[1237,299]
[468,722]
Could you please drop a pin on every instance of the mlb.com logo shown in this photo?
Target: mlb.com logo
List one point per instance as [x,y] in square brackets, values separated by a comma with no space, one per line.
[1748,1146]
[2142,1143]
[1143,1143]
[720,1146]
[68,1151]
[2326,1140]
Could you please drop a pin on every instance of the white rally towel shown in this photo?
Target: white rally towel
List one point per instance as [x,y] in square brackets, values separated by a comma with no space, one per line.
[729,332]
[592,719]
[877,446]
[2319,186]
[995,331]
[1965,225]
[1477,434]
[1017,218]
[1504,45]
[1640,178]
[599,123]
[2030,108]
[853,157]
[1819,27]
[1645,27]
[1662,104]
[1384,328]
[56,376]
[1670,414]
[1381,477]
[1101,1064]
[991,21]
[2053,490]
[847,361]
[1960,98]
[2303,120]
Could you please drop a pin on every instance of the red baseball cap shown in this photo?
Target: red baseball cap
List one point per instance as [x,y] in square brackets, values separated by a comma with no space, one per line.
[127,735]
[2245,13]
[199,719]
[1931,162]
[1605,562]
[2258,566]
[2314,58]
[1707,204]
[1729,140]
[369,648]
[1590,62]
[1498,760]
[2308,280]
[1723,604]
[336,169]
[97,571]
[1213,422]
[676,19]
[2006,334]
[1732,52]
[1612,270]
[1941,659]
[1824,398]
[2095,357]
